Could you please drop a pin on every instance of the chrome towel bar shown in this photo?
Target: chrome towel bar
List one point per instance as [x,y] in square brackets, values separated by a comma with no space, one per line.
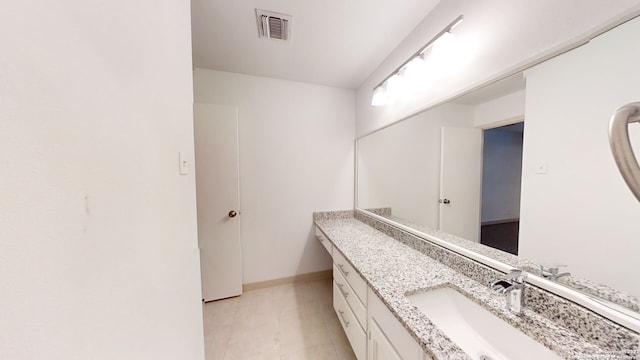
[621,144]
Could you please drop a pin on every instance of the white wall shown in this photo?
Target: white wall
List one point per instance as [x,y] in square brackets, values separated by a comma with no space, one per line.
[99,252]
[495,112]
[508,35]
[296,157]
[399,167]
[501,174]
[581,212]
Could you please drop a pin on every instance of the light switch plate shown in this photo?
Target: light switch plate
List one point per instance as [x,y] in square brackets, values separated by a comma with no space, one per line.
[183,163]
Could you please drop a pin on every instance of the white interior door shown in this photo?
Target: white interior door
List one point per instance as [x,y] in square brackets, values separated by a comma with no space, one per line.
[217,189]
[460,182]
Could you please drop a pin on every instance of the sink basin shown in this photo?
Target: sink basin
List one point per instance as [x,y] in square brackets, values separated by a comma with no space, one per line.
[478,332]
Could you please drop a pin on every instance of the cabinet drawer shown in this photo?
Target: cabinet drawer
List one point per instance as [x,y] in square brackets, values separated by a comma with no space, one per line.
[357,337]
[351,276]
[324,241]
[358,308]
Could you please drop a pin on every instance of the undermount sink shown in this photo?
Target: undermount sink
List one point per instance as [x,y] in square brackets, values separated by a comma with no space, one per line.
[478,332]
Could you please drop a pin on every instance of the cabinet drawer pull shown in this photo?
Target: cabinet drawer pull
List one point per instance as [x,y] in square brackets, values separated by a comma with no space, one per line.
[346,323]
[346,273]
[341,287]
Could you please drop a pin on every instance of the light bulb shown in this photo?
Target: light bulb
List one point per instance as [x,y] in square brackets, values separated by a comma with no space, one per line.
[395,87]
[379,96]
[444,45]
[444,53]
[414,74]
[415,67]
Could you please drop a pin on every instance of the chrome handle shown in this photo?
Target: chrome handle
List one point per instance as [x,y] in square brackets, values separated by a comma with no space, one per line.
[346,273]
[621,145]
[232,214]
[551,269]
[517,276]
[346,323]
[552,272]
[500,286]
[341,287]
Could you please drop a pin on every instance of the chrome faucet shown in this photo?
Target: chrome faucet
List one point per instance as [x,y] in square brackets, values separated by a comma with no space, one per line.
[512,286]
[552,272]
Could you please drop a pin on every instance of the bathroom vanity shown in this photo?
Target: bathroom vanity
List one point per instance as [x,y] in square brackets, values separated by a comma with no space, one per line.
[369,325]
[414,277]
[378,270]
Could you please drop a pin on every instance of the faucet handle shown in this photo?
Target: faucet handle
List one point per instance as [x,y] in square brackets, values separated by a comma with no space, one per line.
[516,275]
[500,286]
[551,268]
[552,271]
[512,285]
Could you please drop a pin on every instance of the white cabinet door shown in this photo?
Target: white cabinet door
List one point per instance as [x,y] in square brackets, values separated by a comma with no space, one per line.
[380,347]
[217,189]
[388,339]
[460,182]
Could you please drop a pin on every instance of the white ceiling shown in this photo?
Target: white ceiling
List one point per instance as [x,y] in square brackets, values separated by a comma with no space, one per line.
[334,42]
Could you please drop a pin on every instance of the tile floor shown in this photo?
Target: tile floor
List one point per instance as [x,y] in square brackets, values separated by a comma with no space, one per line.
[286,322]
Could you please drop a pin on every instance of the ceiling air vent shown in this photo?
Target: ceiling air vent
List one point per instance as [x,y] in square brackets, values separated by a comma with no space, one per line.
[273,25]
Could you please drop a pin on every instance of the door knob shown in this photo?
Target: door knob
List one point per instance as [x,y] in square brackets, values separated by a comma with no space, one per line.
[232,214]
[444,201]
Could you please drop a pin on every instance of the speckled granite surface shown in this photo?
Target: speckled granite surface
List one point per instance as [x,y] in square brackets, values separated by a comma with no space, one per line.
[393,269]
[386,212]
[589,325]
[586,286]
[331,215]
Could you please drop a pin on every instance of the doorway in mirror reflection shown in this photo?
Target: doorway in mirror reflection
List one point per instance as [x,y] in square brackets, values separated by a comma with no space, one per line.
[501,178]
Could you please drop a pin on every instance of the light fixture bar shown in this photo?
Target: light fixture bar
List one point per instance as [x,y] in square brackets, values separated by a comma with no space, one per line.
[449,27]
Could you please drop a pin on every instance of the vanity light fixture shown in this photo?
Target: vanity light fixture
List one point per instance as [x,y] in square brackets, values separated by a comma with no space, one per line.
[379,95]
[409,74]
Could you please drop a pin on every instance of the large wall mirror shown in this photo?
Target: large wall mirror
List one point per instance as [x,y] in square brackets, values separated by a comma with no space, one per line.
[522,171]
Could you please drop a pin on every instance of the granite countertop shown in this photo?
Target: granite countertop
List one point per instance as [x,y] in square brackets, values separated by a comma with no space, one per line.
[393,270]
[589,287]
